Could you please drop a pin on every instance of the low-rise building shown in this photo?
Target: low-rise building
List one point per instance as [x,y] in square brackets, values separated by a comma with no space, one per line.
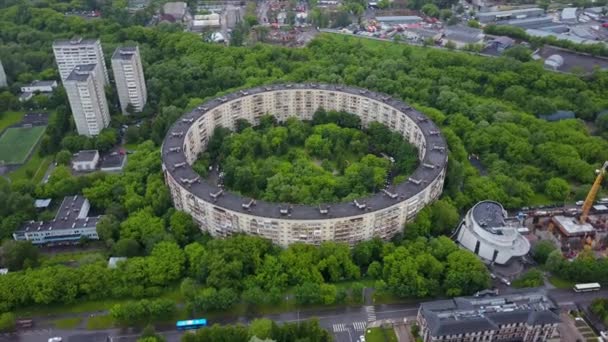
[523,316]
[462,35]
[176,10]
[401,19]
[501,43]
[113,162]
[205,21]
[86,160]
[39,86]
[569,15]
[114,261]
[496,16]
[71,223]
[529,23]
[489,233]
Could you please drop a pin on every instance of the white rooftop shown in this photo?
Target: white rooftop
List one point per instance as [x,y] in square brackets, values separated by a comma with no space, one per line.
[572,226]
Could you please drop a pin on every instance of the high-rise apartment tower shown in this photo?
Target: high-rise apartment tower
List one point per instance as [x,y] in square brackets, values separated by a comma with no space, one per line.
[129,77]
[87,98]
[78,51]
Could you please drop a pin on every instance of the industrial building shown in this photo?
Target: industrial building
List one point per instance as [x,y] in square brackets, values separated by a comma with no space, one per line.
[488,232]
[78,51]
[129,78]
[496,16]
[222,213]
[529,23]
[569,15]
[87,98]
[71,223]
[521,316]
[462,35]
[402,19]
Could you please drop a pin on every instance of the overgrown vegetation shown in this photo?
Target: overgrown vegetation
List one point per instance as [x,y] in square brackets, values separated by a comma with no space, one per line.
[325,161]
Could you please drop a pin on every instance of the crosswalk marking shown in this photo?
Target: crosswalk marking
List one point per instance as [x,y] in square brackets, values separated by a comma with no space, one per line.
[339,327]
[371,313]
[359,326]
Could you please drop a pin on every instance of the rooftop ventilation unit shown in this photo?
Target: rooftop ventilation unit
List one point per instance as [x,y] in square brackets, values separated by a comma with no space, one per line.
[438,148]
[248,204]
[177,134]
[324,210]
[392,195]
[415,181]
[428,166]
[216,195]
[178,165]
[188,120]
[360,205]
[175,149]
[434,132]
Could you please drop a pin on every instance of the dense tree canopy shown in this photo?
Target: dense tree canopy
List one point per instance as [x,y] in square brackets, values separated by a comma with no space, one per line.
[324,162]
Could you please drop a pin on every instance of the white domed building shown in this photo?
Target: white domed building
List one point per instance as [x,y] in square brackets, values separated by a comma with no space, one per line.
[488,232]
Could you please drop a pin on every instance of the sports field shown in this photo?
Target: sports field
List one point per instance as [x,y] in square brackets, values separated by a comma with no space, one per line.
[17,142]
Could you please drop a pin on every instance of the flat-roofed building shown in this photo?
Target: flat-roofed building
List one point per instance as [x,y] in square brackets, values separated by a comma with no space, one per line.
[86,160]
[77,51]
[521,316]
[488,17]
[488,232]
[569,15]
[87,98]
[71,223]
[40,86]
[129,77]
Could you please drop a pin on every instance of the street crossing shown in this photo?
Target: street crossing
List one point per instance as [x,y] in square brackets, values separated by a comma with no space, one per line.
[371,313]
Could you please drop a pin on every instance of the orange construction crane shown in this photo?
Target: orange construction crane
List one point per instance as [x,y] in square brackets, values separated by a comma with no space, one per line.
[593,192]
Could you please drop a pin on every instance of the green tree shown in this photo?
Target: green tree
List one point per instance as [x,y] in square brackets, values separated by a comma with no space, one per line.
[7,322]
[63,157]
[17,255]
[557,189]
[542,250]
[430,10]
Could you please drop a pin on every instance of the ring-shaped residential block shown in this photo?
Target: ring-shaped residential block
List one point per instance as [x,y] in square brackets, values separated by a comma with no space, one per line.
[222,213]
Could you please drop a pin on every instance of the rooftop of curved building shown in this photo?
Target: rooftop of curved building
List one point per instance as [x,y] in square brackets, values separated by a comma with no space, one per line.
[489,215]
[434,161]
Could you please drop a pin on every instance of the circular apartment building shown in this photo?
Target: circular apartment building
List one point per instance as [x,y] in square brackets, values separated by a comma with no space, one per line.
[222,213]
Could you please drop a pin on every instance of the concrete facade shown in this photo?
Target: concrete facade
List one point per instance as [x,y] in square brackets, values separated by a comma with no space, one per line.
[223,213]
[77,51]
[71,223]
[129,78]
[3,80]
[487,232]
[525,316]
[87,98]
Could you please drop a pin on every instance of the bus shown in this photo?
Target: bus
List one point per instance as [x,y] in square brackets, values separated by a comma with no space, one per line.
[191,324]
[586,287]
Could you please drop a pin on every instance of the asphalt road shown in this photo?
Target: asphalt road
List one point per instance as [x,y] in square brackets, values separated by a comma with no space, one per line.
[346,323]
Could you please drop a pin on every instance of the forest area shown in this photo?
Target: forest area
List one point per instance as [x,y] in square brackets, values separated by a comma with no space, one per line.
[487,107]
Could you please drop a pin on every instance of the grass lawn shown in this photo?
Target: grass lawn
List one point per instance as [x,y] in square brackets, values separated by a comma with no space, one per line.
[540,199]
[34,169]
[561,283]
[10,118]
[72,258]
[100,322]
[380,335]
[67,323]
[17,143]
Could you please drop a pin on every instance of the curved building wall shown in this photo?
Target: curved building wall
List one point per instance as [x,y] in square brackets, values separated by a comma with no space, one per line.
[489,245]
[222,213]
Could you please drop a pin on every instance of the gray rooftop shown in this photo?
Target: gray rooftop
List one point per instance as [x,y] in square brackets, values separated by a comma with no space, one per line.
[124,52]
[71,214]
[74,41]
[463,34]
[473,314]
[81,72]
[489,214]
[84,156]
[113,160]
[435,156]
[42,84]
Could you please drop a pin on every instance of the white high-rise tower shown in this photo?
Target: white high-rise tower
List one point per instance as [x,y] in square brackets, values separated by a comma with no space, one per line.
[78,51]
[3,81]
[129,77]
[87,98]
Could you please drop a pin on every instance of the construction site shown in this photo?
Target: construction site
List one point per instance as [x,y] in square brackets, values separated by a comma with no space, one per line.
[574,228]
